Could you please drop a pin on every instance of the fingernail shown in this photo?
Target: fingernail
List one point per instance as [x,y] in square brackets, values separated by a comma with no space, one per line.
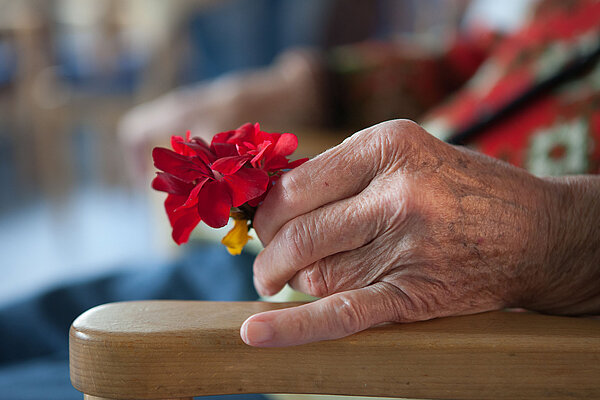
[257,332]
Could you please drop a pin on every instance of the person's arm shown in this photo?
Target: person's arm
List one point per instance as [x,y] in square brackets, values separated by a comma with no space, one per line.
[576,253]
[283,95]
[395,225]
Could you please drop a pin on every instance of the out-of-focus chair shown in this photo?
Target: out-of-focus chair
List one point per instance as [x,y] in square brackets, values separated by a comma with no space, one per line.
[181,349]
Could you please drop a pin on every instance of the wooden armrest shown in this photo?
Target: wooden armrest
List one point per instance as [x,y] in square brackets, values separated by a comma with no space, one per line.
[176,349]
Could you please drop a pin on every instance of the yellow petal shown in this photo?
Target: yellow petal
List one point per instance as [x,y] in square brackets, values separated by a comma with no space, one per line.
[237,237]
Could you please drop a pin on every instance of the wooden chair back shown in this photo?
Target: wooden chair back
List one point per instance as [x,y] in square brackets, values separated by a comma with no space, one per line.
[181,349]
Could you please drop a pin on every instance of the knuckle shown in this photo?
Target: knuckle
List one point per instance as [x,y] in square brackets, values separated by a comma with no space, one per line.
[289,186]
[351,317]
[297,240]
[402,125]
[398,130]
[403,143]
[405,134]
[391,143]
[315,281]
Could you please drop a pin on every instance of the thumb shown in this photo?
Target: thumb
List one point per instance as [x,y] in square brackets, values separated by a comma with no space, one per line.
[332,317]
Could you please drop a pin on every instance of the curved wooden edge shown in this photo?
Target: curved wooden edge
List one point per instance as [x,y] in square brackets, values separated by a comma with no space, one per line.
[89,397]
[175,349]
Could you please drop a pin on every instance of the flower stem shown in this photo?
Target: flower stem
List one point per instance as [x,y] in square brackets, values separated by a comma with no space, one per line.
[248,212]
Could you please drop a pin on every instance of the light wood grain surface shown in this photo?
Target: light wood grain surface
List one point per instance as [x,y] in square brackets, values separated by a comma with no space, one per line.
[176,349]
[90,397]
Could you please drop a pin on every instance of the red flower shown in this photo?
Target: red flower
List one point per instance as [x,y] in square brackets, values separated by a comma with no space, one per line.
[269,151]
[203,184]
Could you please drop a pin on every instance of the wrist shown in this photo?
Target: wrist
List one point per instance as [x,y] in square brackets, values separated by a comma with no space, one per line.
[571,283]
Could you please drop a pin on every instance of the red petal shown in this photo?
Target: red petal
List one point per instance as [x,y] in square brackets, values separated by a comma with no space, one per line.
[224,149]
[261,136]
[178,144]
[222,137]
[246,184]
[214,204]
[201,149]
[244,133]
[192,199]
[173,202]
[182,221]
[229,165]
[170,184]
[243,149]
[257,200]
[276,163]
[286,145]
[182,167]
[260,152]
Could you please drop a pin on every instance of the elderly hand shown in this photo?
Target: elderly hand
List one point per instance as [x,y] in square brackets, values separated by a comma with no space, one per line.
[395,225]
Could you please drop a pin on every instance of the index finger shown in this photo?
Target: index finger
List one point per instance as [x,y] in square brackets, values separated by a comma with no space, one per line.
[336,174]
[332,317]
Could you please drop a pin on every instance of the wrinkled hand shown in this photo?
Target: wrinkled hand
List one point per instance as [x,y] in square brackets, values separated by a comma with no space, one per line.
[395,225]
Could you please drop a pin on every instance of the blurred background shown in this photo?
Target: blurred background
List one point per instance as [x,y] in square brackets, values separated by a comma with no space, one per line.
[88,87]
[70,203]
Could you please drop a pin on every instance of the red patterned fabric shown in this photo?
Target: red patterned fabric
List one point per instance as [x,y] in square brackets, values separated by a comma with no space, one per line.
[554,134]
[558,133]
